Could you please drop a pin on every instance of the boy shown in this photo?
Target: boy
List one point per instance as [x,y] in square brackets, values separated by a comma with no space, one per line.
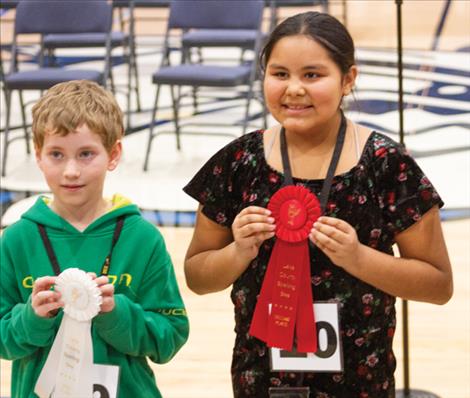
[77,131]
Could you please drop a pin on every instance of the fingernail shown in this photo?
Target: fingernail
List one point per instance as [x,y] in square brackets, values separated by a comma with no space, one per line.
[271,219]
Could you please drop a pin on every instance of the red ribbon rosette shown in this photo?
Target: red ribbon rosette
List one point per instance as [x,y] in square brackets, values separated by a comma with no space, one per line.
[285,303]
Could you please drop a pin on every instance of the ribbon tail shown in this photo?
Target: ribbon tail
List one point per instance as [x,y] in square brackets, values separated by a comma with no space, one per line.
[259,322]
[74,378]
[285,295]
[306,330]
[46,380]
[86,371]
[67,372]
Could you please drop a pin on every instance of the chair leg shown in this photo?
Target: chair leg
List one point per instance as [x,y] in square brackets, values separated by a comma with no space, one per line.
[6,142]
[127,56]
[136,74]
[51,58]
[194,88]
[274,16]
[151,127]
[25,127]
[111,79]
[195,103]
[242,55]
[175,101]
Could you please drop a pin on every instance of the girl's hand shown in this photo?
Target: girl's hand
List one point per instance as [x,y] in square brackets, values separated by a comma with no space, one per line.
[338,240]
[45,302]
[251,227]
[107,292]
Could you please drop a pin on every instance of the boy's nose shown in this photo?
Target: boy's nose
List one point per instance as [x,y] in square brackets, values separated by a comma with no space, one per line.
[71,169]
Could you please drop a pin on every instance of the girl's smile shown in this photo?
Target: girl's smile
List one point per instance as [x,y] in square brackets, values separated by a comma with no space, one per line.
[296,109]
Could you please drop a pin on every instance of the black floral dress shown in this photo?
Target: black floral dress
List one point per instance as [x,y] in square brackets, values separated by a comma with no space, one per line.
[385,193]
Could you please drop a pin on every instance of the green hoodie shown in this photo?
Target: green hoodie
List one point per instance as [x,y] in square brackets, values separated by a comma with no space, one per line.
[149,319]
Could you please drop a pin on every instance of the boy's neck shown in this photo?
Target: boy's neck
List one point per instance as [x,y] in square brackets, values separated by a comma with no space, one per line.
[81,217]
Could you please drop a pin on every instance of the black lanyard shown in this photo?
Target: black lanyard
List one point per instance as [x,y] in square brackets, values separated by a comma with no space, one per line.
[325,191]
[107,261]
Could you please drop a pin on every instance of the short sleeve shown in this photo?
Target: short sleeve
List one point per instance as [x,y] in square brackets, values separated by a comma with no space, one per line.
[213,186]
[404,192]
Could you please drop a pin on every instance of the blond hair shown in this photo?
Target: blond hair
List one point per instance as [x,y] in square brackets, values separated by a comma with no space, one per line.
[67,106]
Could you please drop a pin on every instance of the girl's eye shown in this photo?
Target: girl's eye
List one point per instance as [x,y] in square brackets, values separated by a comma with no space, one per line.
[281,75]
[311,75]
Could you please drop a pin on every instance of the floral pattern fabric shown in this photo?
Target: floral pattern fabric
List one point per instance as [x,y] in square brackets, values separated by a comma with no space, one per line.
[385,193]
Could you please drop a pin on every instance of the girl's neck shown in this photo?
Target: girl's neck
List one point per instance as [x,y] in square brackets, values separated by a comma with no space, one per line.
[310,152]
[81,217]
[319,141]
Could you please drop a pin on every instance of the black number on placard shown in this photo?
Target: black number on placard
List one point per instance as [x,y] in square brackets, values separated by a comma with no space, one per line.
[101,390]
[332,340]
[293,354]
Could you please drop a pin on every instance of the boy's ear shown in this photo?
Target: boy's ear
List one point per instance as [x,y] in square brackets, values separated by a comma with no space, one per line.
[349,80]
[115,155]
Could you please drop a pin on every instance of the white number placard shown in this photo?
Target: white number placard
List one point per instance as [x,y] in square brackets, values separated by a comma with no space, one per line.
[105,381]
[328,358]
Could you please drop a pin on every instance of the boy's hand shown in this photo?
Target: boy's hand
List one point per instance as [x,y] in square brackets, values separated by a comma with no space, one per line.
[251,227]
[45,302]
[107,292]
[338,240]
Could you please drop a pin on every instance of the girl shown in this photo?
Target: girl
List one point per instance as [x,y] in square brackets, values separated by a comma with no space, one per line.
[378,197]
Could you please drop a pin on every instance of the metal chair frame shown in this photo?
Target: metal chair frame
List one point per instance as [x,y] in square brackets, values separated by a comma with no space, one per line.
[38,17]
[121,38]
[190,15]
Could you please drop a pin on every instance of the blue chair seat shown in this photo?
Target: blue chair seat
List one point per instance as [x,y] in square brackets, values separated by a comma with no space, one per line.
[220,37]
[77,40]
[203,75]
[151,3]
[45,78]
[299,3]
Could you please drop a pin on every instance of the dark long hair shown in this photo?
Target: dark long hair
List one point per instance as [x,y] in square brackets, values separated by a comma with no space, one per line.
[323,28]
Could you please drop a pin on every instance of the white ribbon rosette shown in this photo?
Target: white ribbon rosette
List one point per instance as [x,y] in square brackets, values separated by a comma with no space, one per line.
[68,368]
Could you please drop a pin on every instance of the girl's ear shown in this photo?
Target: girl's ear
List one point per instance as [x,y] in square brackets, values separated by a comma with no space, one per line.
[349,80]
[115,155]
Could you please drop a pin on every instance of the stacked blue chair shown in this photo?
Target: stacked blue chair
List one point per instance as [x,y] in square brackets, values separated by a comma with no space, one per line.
[275,5]
[53,17]
[232,18]
[119,38]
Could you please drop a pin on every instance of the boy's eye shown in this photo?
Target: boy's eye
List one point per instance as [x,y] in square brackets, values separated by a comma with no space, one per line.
[55,155]
[86,154]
